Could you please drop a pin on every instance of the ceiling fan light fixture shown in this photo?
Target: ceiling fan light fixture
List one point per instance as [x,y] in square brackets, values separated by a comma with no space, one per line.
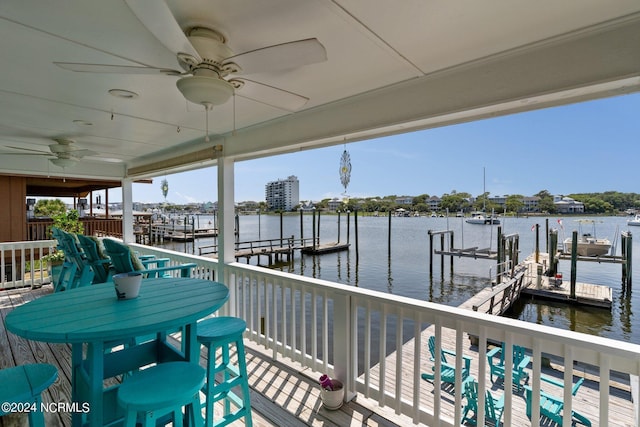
[63,163]
[205,90]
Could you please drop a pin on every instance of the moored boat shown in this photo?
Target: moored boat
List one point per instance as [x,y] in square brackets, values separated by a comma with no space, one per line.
[634,221]
[588,243]
[482,218]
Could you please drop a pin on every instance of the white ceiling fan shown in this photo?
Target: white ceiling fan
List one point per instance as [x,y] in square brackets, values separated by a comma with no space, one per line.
[62,153]
[210,69]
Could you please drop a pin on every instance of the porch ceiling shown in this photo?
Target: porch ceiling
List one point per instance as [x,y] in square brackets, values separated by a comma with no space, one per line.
[391,67]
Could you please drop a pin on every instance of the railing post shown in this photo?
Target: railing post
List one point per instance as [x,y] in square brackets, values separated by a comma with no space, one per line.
[344,360]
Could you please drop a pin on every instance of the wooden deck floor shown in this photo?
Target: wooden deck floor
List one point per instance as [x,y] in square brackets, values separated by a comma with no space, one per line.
[282,393]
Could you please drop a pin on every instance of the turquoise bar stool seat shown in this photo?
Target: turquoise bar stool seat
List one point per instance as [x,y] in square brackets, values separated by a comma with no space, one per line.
[225,379]
[152,394]
[24,385]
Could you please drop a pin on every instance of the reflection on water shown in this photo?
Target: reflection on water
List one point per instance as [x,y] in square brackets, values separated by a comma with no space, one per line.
[403,268]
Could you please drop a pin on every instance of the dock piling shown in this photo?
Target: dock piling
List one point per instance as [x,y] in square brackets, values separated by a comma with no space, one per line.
[574,263]
[389,237]
[355,224]
[626,259]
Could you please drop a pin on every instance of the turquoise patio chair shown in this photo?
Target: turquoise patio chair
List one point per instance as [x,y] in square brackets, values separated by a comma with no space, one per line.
[493,408]
[559,383]
[124,260]
[552,407]
[83,274]
[447,369]
[520,362]
[95,257]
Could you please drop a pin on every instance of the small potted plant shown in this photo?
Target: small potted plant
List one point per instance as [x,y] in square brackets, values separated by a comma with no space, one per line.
[54,261]
[331,393]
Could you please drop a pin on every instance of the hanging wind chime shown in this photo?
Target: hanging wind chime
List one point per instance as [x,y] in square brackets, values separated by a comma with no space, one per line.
[164,186]
[345,170]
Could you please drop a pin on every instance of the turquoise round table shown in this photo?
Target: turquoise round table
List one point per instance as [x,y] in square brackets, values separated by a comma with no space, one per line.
[92,319]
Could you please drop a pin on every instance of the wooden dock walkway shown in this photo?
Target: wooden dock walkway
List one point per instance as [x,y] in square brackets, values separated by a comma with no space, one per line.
[277,248]
[549,288]
[586,293]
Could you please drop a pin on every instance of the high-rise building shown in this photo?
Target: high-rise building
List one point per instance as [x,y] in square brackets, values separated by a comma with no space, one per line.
[283,194]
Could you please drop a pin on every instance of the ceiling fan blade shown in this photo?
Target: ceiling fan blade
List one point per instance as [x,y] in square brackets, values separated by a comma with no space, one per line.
[28,154]
[156,16]
[281,56]
[270,95]
[103,159]
[82,153]
[121,69]
[35,152]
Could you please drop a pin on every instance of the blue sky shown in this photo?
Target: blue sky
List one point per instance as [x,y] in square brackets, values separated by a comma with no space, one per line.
[588,147]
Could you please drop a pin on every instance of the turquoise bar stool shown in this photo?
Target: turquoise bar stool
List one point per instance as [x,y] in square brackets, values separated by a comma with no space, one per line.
[162,390]
[222,333]
[24,385]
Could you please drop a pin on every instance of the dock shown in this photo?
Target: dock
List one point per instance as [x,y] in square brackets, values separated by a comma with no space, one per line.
[277,249]
[324,248]
[180,233]
[549,288]
[586,293]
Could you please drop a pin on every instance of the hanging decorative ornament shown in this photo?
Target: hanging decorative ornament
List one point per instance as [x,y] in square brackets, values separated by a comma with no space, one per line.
[164,185]
[345,170]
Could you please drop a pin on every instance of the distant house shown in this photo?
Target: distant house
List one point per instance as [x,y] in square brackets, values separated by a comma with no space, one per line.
[307,205]
[334,204]
[434,203]
[531,204]
[567,205]
[248,206]
[501,201]
[405,200]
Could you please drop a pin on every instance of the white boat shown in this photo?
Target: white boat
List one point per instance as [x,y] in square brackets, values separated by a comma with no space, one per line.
[588,244]
[482,218]
[634,221]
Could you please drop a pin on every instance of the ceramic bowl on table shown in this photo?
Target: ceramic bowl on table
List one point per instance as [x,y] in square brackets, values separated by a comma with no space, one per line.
[127,285]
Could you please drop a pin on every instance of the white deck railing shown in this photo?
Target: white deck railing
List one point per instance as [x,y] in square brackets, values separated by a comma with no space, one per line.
[18,266]
[339,329]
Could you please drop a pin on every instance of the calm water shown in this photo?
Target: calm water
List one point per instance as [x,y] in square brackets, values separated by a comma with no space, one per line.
[405,271]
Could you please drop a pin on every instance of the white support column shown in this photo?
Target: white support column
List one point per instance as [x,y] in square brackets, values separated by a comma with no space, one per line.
[127,211]
[343,343]
[226,222]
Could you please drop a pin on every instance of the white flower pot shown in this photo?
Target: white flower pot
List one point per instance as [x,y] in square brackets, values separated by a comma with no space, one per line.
[332,399]
[127,285]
